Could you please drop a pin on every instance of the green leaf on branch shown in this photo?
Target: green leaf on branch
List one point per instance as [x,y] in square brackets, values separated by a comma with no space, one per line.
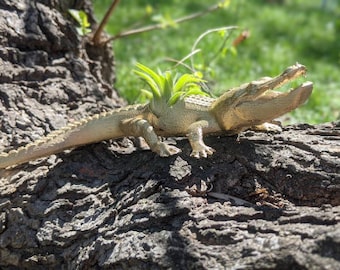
[81,17]
[165,20]
[224,4]
[149,10]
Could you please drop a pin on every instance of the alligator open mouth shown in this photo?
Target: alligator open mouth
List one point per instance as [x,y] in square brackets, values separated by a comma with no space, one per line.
[256,102]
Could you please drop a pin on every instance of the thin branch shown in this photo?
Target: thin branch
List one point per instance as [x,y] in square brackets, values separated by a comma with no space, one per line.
[181,62]
[204,86]
[207,33]
[220,49]
[233,199]
[97,35]
[160,26]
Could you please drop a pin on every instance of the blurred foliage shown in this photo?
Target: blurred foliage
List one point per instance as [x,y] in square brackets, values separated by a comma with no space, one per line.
[80,17]
[304,31]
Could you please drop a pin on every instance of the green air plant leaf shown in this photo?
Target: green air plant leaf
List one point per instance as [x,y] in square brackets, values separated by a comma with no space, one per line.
[174,98]
[167,89]
[186,79]
[190,89]
[155,81]
[148,94]
[168,85]
[155,91]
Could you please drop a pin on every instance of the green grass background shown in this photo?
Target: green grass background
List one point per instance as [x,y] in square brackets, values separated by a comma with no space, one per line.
[301,31]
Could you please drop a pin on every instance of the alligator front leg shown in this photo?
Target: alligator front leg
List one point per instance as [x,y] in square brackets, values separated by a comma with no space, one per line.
[195,136]
[138,127]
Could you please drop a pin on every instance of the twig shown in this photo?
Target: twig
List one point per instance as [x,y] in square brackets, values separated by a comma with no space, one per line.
[96,37]
[160,26]
[233,199]
[207,33]
[204,86]
[181,62]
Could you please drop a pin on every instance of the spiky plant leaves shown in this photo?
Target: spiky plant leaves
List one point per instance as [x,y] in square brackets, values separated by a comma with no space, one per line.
[167,89]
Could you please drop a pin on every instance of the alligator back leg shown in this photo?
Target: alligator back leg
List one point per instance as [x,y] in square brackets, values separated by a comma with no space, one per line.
[142,128]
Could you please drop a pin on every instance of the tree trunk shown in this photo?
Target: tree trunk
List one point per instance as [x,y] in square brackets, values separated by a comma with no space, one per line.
[262,201]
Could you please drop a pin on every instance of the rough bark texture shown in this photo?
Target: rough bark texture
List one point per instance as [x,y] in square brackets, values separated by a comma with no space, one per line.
[113,205]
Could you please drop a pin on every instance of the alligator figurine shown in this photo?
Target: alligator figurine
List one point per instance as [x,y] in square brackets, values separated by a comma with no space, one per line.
[251,105]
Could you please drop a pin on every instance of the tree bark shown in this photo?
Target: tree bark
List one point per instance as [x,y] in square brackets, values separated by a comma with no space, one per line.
[262,201]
